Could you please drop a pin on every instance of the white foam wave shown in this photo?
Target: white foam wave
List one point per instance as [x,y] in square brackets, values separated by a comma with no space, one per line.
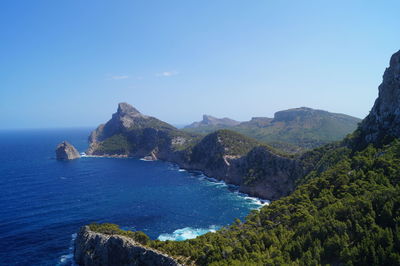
[187,233]
[217,184]
[68,259]
[257,201]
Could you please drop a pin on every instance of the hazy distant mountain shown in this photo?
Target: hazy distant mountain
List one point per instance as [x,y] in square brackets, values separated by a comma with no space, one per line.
[210,121]
[291,130]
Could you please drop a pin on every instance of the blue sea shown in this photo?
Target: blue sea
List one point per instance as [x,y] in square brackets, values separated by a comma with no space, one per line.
[44,202]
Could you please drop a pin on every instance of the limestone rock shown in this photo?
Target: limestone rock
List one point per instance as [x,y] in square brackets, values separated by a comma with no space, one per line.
[92,248]
[144,133]
[65,151]
[384,117]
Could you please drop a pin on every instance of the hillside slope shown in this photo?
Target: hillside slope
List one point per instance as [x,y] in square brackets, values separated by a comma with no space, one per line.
[293,130]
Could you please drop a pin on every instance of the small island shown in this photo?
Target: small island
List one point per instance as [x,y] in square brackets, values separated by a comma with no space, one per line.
[65,151]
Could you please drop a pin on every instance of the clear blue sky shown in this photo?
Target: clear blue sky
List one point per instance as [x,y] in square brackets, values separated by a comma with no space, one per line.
[68,63]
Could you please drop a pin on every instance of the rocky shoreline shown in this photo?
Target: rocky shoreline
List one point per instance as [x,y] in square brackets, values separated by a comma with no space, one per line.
[262,200]
[257,169]
[93,248]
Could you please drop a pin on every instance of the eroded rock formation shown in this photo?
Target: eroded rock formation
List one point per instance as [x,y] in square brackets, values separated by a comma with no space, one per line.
[94,249]
[384,118]
[65,151]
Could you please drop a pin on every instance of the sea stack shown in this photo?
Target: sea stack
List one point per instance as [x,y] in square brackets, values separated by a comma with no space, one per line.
[65,151]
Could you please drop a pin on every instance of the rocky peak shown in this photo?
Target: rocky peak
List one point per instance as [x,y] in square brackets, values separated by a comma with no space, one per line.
[209,120]
[65,151]
[384,117]
[125,109]
[126,117]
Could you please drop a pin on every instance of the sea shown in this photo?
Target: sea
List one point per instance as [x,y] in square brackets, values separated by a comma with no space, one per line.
[44,202]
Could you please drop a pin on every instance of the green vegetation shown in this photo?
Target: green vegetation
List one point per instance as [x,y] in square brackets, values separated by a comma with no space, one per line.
[210,151]
[293,131]
[113,229]
[234,143]
[346,212]
[117,144]
[147,134]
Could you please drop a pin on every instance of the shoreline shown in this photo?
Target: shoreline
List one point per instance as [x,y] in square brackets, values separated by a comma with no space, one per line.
[185,233]
[263,202]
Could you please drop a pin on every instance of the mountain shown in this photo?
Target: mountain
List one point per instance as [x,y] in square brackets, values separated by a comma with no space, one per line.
[294,130]
[344,211]
[130,133]
[210,121]
[223,154]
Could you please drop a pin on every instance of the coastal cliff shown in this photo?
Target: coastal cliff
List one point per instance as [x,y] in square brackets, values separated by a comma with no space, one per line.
[344,208]
[256,169]
[94,248]
[130,133]
[223,154]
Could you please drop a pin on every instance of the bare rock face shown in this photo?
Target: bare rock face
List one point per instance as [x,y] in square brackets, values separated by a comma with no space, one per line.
[384,117]
[133,134]
[92,249]
[126,117]
[268,175]
[65,151]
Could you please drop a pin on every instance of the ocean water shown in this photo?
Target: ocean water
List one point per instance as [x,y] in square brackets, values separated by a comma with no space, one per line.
[43,202]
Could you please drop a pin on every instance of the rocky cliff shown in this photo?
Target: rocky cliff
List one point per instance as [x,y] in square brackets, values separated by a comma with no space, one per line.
[130,133]
[257,169]
[224,154]
[94,249]
[266,174]
[65,151]
[383,121]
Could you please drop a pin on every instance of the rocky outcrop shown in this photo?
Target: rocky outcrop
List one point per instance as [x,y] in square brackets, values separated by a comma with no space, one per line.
[383,120]
[131,133]
[94,249]
[265,174]
[209,120]
[125,118]
[65,151]
[256,169]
